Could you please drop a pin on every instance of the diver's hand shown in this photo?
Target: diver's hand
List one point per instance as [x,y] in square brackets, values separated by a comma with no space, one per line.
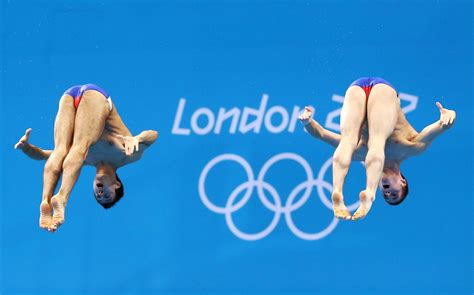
[306,116]
[447,117]
[23,142]
[130,144]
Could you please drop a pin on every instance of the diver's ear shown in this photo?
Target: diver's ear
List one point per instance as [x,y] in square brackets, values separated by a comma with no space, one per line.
[117,184]
[403,180]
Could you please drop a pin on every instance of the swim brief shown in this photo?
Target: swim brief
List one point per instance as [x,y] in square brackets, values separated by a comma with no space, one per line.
[77,91]
[367,83]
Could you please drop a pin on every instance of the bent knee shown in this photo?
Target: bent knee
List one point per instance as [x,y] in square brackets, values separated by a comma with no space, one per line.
[341,160]
[375,158]
[53,167]
[60,152]
[76,154]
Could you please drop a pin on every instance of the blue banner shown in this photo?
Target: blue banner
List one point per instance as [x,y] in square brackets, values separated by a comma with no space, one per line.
[235,197]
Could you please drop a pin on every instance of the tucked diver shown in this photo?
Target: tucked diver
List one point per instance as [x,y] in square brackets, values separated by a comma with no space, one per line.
[375,130]
[88,131]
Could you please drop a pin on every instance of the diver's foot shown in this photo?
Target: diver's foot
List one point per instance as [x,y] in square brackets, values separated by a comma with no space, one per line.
[58,216]
[340,210]
[364,207]
[45,215]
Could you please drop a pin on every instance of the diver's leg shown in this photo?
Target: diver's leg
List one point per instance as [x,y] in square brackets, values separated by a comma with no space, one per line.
[353,114]
[382,115]
[91,116]
[63,132]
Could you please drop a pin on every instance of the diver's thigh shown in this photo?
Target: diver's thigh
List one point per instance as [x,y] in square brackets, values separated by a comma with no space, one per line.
[353,112]
[382,110]
[64,122]
[91,116]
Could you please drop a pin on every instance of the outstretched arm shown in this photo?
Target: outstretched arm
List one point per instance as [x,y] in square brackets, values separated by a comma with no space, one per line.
[30,150]
[316,130]
[432,131]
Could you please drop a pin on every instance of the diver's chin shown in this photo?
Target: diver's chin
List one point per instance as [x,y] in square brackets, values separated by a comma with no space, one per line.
[100,177]
[384,182]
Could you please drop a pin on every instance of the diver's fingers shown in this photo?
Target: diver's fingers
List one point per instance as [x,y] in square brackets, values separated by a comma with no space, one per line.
[443,120]
[137,145]
[27,132]
[305,115]
[446,120]
[440,106]
[25,137]
[451,120]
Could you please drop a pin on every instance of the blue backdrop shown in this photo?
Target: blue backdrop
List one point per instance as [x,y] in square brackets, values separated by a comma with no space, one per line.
[232,197]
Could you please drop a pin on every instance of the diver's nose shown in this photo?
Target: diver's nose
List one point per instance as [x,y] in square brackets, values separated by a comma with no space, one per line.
[100,193]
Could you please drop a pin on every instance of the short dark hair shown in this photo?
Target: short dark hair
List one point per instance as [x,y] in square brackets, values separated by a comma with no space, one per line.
[119,192]
[404,193]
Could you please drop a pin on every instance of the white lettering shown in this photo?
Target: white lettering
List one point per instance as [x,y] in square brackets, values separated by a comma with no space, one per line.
[284,119]
[233,113]
[177,120]
[210,121]
[255,125]
[294,119]
[204,121]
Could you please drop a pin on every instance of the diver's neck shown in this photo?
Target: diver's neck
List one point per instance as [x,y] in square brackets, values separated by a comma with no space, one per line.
[392,166]
[104,168]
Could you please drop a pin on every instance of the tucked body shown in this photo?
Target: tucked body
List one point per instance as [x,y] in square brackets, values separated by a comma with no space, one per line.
[88,131]
[375,130]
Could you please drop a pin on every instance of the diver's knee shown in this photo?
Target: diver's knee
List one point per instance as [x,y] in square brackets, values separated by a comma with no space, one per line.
[341,160]
[376,142]
[60,152]
[375,157]
[53,167]
[77,154]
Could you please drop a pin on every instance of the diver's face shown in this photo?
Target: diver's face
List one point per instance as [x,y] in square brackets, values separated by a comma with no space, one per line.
[392,185]
[104,188]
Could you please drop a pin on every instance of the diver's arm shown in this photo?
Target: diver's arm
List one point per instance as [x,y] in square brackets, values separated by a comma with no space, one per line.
[423,139]
[147,137]
[316,130]
[30,150]
[131,144]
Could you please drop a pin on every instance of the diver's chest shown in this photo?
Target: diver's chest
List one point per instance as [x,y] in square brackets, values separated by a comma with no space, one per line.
[105,151]
[394,149]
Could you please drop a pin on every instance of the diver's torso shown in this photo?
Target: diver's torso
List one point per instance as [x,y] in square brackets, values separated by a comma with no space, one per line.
[397,146]
[109,149]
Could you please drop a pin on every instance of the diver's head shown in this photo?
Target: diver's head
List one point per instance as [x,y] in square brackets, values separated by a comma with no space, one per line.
[108,188]
[394,186]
